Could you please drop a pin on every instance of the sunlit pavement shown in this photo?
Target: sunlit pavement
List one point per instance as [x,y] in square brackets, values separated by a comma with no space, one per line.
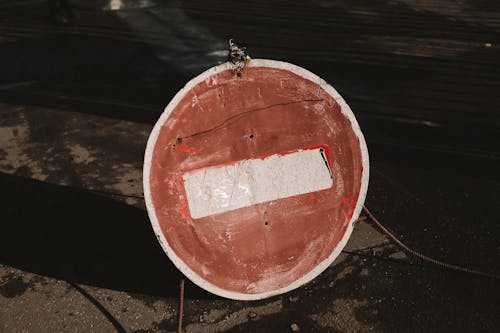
[78,101]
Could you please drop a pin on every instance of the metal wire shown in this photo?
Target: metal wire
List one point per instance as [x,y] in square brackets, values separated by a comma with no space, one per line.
[237,56]
[423,256]
[181,306]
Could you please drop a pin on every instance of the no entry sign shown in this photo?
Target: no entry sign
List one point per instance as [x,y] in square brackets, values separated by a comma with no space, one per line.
[252,182]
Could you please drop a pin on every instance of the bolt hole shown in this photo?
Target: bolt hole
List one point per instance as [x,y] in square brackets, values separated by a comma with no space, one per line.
[266,223]
[251,136]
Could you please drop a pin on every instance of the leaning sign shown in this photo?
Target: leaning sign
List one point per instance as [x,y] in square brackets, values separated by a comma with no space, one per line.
[253,181]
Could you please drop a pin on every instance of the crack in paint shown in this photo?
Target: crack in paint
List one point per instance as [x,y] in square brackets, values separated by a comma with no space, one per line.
[325,159]
[239,115]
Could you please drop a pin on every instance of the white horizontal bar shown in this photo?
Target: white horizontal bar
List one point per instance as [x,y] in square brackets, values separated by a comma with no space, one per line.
[220,189]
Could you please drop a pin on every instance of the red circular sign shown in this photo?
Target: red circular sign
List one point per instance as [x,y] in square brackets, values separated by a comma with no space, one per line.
[253,181]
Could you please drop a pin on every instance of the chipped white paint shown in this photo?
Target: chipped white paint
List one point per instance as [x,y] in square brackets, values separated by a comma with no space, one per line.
[216,190]
[346,111]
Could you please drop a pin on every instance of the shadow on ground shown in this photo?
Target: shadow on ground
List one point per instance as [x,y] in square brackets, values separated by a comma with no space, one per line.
[80,237]
[362,294]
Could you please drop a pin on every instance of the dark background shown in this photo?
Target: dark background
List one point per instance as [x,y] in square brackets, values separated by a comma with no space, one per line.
[422,77]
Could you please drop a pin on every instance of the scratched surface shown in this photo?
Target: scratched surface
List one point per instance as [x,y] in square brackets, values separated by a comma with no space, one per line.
[219,189]
[77,105]
[269,245]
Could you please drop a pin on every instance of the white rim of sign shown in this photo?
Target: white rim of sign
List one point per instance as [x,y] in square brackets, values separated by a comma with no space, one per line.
[194,277]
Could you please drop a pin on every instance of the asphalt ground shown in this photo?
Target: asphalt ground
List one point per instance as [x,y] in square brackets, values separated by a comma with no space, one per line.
[79,100]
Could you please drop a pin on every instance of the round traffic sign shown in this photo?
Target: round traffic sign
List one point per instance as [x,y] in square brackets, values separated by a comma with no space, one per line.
[252,182]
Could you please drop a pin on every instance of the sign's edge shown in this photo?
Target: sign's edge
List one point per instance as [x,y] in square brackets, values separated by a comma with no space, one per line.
[346,111]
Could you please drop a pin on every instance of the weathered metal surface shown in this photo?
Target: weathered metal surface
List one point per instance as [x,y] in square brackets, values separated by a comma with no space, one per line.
[255,250]
[219,189]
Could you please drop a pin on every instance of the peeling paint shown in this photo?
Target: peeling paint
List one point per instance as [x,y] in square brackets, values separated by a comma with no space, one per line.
[251,123]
